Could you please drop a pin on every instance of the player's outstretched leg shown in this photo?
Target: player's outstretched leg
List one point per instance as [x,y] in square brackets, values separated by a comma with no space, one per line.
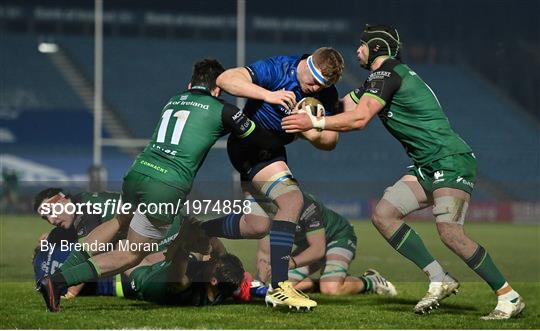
[51,292]
[404,197]
[276,182]
[450,210]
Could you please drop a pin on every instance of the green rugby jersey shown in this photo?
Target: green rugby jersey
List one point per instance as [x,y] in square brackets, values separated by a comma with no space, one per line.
[100,211]
[411,113]
[190,124]
[317,217]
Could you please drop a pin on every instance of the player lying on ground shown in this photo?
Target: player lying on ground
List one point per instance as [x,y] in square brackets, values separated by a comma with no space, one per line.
[273,86]
[163,173]
[181,279]
[80,224]
[324,241]
[72,227]
[443,174]
[212,278]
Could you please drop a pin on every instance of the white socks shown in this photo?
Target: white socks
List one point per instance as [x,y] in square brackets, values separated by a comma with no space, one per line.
[506,293]
[435,272]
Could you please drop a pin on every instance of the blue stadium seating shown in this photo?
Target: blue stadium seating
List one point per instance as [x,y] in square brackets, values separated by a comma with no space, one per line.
[140,75]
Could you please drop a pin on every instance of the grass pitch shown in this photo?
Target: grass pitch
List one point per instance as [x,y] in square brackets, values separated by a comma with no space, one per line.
[516,249]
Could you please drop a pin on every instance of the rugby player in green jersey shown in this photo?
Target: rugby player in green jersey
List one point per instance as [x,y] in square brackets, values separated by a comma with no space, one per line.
[443,174]
[162,175]
[181,279]
[324,240]
[71,225]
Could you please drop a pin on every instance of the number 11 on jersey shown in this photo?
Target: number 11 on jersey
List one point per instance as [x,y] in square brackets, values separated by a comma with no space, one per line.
[181,118]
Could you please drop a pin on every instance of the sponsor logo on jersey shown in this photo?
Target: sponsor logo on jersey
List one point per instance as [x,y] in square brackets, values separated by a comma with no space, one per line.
[315,224]
[183,98]
[309,211]
[438,174]
[285,110]
[412,73]
[373,88]
[188,103]
[244,127]
[465,182]
[379,75]
[237,115]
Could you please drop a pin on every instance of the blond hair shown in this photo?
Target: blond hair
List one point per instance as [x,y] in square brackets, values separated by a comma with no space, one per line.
[330,62]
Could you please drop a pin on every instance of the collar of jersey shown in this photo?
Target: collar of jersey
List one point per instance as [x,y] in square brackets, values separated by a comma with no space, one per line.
[200,89]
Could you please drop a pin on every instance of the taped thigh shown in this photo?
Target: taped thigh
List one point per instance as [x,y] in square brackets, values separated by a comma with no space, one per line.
[261,206]
[402,197]
[449,209]
[279,184]
[147,228]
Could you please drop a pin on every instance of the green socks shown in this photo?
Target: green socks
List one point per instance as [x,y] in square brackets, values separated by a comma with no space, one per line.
[409,244]
[483,265]
[81,273]
[74,258]
[368,284]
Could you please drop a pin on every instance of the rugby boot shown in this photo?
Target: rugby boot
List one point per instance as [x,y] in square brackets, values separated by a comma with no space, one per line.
[286,295]
[437,292]
[380,284]
[505,310]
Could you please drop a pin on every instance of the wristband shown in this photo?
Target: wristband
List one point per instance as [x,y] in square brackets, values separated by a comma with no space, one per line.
[295,264]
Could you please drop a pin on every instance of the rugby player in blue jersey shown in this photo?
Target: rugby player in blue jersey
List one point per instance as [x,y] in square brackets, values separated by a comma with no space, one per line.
[273,86]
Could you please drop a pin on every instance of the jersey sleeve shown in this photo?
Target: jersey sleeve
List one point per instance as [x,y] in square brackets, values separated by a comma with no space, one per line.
[264,72]
[235,121]
[329,98]
[87,223]
[380,85]
[311,218]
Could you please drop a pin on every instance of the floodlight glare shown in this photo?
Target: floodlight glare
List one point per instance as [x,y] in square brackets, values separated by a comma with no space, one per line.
[48,47]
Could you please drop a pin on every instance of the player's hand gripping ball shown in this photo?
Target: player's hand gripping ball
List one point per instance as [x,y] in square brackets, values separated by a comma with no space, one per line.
[313,107]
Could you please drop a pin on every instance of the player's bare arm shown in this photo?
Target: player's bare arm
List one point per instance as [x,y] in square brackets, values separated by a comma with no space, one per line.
[315,251]
[323,140]
[237,82]
[356,119]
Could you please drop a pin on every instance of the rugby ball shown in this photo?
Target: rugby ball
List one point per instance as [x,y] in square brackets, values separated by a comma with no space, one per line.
[312,106]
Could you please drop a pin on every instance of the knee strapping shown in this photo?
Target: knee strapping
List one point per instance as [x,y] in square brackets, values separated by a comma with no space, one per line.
[280,184]
[345,253]
[450,210]
[335,268]
[299,273]
[402,197]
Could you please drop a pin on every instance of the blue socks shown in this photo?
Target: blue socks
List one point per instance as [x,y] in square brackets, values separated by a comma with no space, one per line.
[281,242]
[224,227]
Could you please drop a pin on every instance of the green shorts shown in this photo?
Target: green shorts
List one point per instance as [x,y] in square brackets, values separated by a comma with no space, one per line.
[454,171]
[156,199]
[150,284]
[344,243]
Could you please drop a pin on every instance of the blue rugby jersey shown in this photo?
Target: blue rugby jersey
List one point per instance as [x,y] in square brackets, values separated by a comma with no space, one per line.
[47,261]
[277,73]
